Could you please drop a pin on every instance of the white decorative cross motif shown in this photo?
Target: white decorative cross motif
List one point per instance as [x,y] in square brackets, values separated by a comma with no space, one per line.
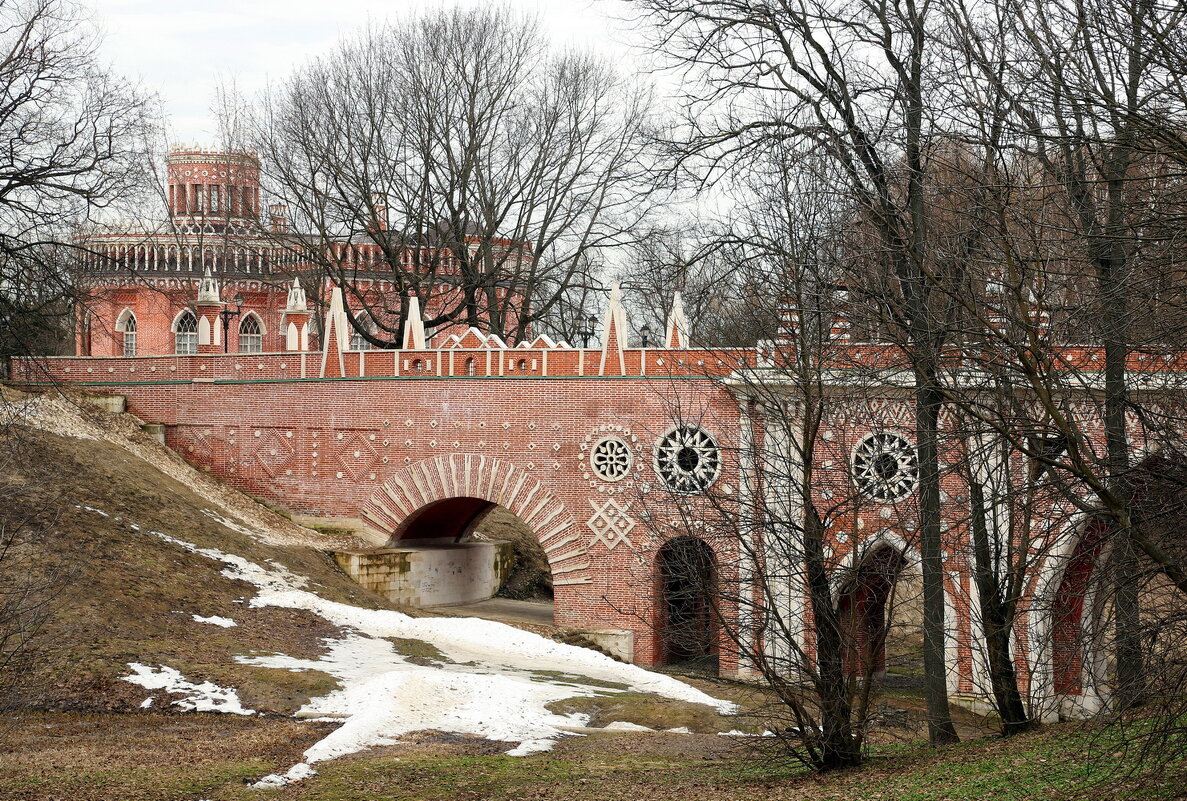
[610,523]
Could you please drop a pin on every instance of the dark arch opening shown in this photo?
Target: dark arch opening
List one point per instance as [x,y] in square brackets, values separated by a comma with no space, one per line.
[687,580]
[527,574]
[450,519]
[1067,624]
[862,612]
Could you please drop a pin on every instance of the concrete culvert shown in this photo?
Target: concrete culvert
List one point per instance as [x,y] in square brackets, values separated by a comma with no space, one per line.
[529,578]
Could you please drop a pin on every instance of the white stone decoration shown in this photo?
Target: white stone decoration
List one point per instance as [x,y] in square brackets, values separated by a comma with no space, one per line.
[611,459]
[687,459]
[885,466]
[610,523]
[599,471]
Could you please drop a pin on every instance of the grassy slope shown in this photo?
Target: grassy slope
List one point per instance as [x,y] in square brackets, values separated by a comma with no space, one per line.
[129,596]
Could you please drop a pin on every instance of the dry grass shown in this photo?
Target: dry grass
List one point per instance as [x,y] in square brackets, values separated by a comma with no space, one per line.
[130,596]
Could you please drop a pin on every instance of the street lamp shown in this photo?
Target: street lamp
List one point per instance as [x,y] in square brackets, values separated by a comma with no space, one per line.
[645,332]
[227,314]
[588,331]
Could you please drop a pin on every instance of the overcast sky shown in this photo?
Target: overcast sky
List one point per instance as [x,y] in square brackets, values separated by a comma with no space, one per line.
[182,50]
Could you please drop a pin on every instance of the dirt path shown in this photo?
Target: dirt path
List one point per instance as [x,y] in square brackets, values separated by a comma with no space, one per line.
[535,613]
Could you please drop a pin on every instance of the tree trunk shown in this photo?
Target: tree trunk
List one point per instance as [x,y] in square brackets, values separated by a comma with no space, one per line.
[941,730]
[997,621]
[839,748]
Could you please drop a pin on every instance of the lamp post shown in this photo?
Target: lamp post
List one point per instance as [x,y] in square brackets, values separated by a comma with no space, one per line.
[588,331]
[645,333]
[227,314]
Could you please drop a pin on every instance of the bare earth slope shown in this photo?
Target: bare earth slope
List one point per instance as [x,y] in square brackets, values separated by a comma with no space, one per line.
[130,596]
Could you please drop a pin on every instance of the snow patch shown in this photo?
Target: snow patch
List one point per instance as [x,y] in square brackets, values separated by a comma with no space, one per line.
[492,680]
[215,620]
[622,725]
[204,697]
[226,522]
[296,773]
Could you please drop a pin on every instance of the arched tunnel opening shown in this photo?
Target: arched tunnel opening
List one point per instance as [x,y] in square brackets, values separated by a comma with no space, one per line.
[458,551]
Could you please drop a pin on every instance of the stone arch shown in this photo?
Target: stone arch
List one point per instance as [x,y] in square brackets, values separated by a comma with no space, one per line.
[477,483]
[852,564]
[366,321]
[259,321]
[186,332]
[1066,673]
[861,608]
[251,333]
[125,316]
[182,319]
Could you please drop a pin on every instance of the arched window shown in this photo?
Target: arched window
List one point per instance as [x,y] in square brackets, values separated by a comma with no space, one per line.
[186,333]
[470,368]
[126,324]
[357,340]
[251,334]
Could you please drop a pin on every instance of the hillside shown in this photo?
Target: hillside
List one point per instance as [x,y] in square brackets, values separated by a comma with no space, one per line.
[126,595]
[172,593]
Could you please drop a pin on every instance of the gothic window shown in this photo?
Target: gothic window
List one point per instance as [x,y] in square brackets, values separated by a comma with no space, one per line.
[610,459]
[885,466]
[251,335]
[688,459]
[186,334]
[127,325]
[357,340]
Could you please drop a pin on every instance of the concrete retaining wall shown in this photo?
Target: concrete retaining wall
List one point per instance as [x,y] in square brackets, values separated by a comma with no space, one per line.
[431,575]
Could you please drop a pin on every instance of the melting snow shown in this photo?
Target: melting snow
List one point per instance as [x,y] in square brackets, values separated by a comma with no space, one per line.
[204,697]
[622,725]
[493,680]
[231,524]
[215,620]
[294,774]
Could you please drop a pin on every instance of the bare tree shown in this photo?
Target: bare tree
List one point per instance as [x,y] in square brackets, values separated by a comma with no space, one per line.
[74,138]
[729,298]
[1086,242]
[458,157]
[851,80]
[755,552]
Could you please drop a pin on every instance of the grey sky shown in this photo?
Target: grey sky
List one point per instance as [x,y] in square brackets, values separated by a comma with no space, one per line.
[182,50]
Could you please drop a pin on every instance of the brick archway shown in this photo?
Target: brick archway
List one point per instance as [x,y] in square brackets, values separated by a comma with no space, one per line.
[447,482]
